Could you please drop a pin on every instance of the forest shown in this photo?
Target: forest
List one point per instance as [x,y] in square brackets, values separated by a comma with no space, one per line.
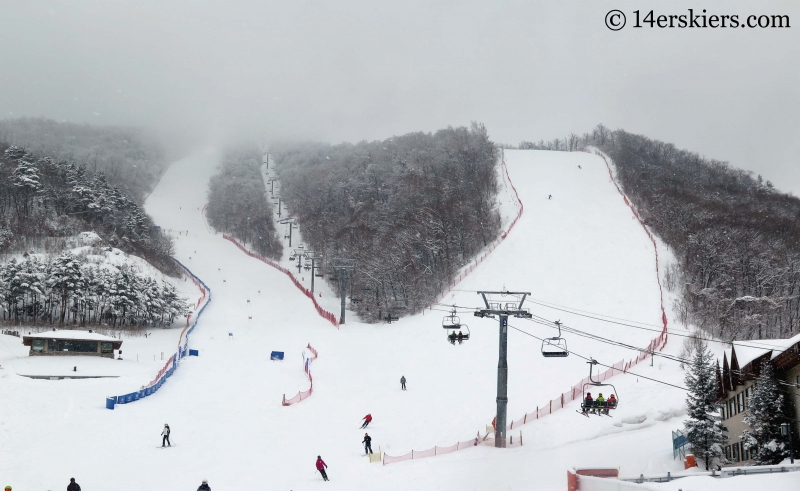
[68,289]
[410,210]
[43,201]
[237,202]
[132,159]
[735,237]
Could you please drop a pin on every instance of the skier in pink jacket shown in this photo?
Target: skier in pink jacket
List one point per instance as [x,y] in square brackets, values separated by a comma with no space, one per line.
[321,465]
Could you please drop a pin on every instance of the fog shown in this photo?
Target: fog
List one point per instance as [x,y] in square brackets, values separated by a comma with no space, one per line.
[350,70]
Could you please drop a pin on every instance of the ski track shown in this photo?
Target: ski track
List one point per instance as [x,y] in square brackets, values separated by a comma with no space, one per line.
[580,249]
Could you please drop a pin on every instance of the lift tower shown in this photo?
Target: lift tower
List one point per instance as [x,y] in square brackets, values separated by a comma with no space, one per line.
[498,305]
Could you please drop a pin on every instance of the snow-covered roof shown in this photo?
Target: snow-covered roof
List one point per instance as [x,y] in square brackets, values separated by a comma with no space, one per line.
[747,351]
[72,334]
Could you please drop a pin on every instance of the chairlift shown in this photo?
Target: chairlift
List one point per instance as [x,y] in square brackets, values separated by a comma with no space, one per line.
[555,347]
[456,331]
[593,406]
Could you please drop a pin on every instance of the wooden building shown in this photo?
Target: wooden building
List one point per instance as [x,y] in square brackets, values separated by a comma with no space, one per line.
[736,377]
[71,343]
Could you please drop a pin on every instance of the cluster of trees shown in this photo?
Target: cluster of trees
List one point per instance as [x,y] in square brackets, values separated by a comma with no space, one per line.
[131,158]
[411,210]
[238,205]
[736,239]
[572,142]
[44,198]
[67,289]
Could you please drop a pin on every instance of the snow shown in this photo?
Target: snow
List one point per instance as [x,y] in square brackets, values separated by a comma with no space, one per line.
[580,249]
[71,334]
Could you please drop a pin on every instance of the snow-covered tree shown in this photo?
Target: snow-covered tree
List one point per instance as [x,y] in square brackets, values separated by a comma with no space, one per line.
[764,415]
[704,429]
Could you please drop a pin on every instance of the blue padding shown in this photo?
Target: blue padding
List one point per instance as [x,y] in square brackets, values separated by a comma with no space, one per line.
[276,355]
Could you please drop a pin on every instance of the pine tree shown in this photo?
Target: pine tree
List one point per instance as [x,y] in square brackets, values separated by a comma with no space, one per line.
[764,415]
[704,430]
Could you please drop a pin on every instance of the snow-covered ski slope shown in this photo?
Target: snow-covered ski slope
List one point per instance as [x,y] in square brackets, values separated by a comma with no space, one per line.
[580,249]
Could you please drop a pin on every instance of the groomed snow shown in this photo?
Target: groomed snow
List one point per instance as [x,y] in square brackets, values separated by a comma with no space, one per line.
[579,249]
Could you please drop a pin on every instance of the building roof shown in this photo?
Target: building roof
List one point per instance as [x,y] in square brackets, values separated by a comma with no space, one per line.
[742,361]
[72,335]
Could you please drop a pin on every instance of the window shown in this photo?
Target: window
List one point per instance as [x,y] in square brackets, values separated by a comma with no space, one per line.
[736,452]
[38,345]
[727,452]
[74,346]
[723,412]
[745,453]
[740,402]
[106,348]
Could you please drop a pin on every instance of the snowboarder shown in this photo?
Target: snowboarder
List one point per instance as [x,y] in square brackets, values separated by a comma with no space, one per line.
[165,435]
[73,486]
[403,382]
[367,419]
[367,441]
[321,465]
[204,486]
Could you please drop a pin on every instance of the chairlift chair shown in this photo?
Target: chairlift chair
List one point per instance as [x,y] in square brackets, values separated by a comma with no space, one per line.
[452,323]
[594,406]
[555,347]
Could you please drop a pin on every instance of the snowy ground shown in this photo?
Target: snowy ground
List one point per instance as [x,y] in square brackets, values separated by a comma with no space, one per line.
[580,249]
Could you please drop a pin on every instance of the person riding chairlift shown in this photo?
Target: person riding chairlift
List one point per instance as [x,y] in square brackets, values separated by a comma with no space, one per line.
[611,403]
[587,402]
[452,338]
[600,402]
[460,337]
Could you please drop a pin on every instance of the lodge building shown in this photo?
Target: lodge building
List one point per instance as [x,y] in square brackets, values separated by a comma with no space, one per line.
[736,378]
[71,343]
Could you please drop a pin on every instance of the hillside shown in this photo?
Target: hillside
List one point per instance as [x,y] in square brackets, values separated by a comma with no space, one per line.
[580,249]
[131,158]
[411,210]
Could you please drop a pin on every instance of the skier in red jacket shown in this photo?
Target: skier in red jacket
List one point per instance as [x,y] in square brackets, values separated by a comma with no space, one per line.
[321,465]
[367,419]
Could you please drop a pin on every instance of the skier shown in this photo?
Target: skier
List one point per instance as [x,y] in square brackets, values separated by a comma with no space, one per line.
[403,382]
[460,337]
[612,403]
[579,167]
[321,465]
[367,419]
[204,486]
[452,338]
[600,402]
[549,196]
[73,486]
[165,435]
[367,441]
[587,402]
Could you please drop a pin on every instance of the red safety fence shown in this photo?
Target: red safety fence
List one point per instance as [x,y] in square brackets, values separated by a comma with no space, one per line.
[303,395]
[493,245]
[322,312]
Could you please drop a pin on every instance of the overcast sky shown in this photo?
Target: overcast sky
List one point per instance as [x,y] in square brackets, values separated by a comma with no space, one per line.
[352,70]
